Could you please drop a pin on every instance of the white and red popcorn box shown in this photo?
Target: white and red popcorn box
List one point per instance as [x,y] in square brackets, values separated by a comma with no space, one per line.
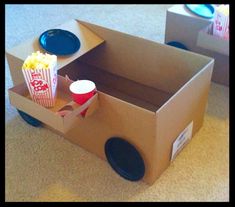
[221,22]
[42,84]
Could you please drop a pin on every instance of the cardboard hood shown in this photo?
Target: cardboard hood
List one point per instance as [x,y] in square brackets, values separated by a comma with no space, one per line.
[88,41]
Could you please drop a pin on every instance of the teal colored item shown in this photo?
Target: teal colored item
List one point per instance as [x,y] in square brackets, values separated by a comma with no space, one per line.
[202,10]
[29,119]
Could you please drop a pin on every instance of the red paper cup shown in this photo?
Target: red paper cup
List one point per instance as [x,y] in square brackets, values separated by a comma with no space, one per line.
[81,91]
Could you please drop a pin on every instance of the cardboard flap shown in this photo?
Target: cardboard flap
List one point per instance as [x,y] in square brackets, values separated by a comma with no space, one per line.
[208,41]
[88,40]
[77,109]
[92,103]
[20,98]
[21,102]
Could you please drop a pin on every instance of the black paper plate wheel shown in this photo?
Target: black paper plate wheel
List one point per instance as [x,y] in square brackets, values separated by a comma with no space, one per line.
[124,159]
[29,119]
[59,42]
[177,44]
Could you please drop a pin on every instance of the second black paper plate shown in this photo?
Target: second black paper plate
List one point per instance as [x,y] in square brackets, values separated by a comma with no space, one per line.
[59,42]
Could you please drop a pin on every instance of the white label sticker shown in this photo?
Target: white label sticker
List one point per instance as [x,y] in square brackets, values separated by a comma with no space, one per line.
[182,140]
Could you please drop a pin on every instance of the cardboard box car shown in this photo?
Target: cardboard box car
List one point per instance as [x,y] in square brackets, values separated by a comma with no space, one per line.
[182,25]
[185,27]
[150,95]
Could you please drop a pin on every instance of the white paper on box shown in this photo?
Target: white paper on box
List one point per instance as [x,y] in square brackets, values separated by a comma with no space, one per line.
[182,140]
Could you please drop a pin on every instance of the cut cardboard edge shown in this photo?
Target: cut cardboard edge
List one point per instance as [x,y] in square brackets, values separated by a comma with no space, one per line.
[81,108]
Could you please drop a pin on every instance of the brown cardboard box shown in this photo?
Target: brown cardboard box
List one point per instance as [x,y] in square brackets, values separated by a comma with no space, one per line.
[218,48]
[182,25]
[185,27]
[152,95]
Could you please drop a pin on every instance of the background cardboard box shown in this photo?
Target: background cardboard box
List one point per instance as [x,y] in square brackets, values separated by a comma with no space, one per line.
[143,97]
[185,27]
[207,41]
[219,49]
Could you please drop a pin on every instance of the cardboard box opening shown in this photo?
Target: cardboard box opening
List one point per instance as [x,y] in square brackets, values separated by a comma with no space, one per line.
[143,61]
[117,86]
[141,72]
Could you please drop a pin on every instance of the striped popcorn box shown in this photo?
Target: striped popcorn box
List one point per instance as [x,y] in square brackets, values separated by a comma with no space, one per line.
[221,22]
[40,74]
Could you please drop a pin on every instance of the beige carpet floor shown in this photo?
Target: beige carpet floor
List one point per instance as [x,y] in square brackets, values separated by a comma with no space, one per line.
[42,166]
